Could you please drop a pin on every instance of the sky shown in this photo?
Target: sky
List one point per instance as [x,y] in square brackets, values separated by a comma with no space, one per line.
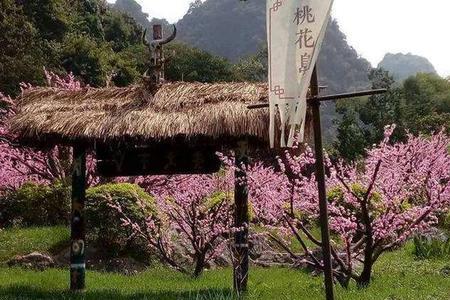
[373,27]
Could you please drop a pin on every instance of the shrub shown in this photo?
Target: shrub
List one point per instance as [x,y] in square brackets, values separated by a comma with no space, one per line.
[104,225]
[431,245]
[444,222]
[36,205]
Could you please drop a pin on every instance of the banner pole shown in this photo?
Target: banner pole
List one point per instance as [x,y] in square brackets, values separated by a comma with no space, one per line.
[320,175]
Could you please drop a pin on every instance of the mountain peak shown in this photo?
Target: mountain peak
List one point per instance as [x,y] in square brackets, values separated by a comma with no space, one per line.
[402,66]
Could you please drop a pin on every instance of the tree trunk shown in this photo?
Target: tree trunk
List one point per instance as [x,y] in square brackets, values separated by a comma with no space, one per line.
[364,279]
[199,265]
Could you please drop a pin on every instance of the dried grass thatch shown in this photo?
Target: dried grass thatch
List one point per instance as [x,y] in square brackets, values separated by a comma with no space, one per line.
[177,109]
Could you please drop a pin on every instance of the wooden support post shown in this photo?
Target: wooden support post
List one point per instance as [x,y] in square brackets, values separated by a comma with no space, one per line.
[241,220]
[320,175]
[77,250]
[158,55]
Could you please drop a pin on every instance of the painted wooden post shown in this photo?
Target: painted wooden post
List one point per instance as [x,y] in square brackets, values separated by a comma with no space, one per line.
[320,175]
[77,250]
[158,54]
[240,249]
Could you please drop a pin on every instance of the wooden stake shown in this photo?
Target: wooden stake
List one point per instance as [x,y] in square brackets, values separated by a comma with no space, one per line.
[77,250]
[320,175]
[240,249]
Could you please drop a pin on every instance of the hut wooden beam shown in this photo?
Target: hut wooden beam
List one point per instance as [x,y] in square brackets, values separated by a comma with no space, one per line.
[240,249]
[77,249]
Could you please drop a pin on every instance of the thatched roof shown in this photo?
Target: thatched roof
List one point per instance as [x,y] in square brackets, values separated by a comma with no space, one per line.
[177,109]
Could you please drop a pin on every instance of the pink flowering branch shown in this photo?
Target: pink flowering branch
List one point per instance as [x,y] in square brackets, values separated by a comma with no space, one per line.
[19,163]
[193,222]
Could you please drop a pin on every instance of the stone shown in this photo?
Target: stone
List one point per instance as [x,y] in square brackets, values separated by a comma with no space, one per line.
[35,260]
[446,271]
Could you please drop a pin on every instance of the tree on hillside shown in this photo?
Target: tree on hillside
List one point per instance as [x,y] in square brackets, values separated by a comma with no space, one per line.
[427,103]
[95,43]
[363,121]
[21,53]
[192,64]
[382,110]
[50,17]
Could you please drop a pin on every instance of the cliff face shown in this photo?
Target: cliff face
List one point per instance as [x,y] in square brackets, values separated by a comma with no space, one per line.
[234,29]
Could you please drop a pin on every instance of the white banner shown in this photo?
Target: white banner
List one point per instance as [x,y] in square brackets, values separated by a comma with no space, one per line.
[295,31]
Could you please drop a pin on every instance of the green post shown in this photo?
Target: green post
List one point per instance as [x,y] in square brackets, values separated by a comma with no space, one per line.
[77,249]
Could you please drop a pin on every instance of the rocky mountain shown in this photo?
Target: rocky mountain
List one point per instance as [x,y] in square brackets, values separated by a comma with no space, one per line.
[402,66]
[134,10]
[235,29]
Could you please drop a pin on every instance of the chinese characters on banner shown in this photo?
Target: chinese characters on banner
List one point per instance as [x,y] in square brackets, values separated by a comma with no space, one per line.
[295,31]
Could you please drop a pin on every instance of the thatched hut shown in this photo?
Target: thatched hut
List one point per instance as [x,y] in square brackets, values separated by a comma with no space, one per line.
[188,110]
[156,121]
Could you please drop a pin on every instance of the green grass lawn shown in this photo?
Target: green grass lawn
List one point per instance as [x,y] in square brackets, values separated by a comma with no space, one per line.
[397,276]
[23,241]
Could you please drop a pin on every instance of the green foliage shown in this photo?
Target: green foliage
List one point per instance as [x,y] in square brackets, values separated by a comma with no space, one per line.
[130,64]
[427,103]
[21,55]
[104,223]
[122,31]
[50,17]
[363,121]
[421,105]
[445,222]
[431,247]
[382,110]
[253,68]
[192,64]
[87,58]
[36,205]
[99,45]
[21,241]
[351,140]
[216,199]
